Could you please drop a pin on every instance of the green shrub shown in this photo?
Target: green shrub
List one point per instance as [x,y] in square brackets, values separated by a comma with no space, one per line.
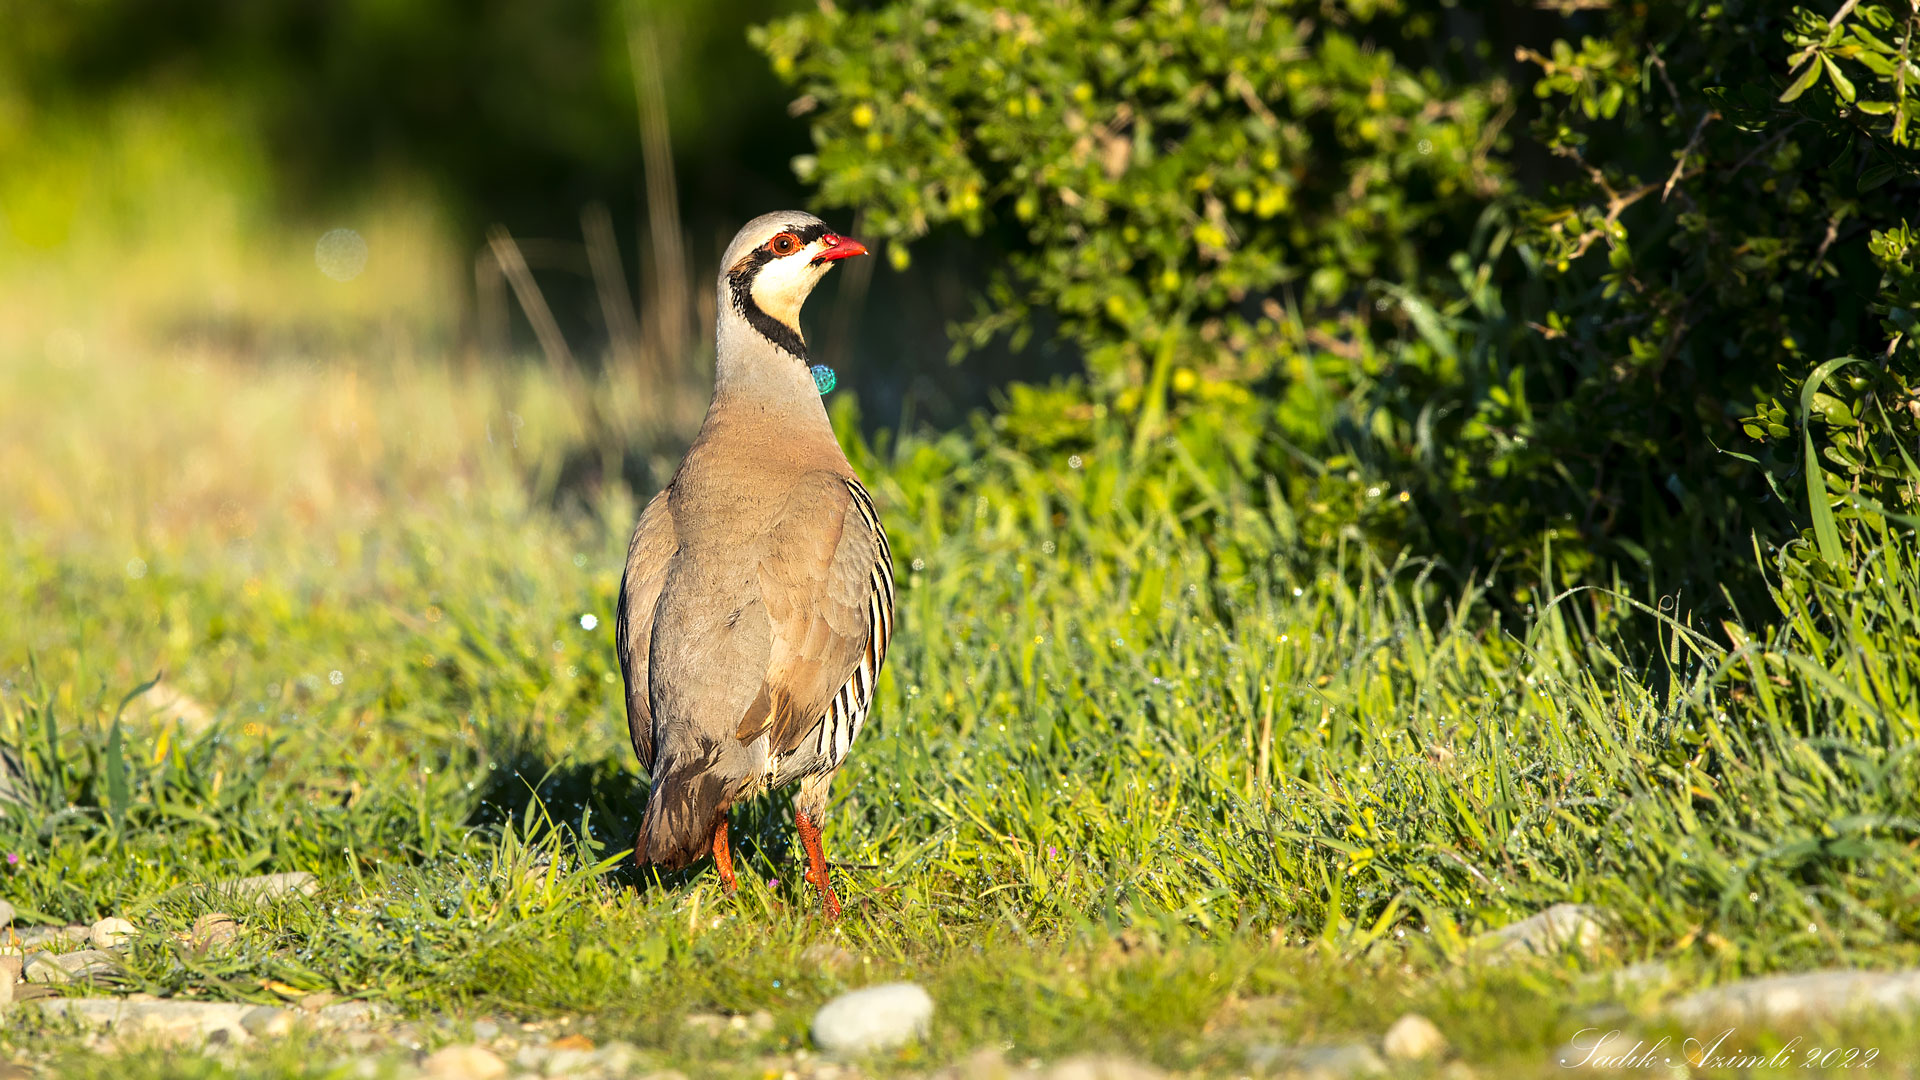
[1561,343]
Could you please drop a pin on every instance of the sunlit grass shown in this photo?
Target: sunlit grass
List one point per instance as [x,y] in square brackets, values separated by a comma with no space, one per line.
[1141,778]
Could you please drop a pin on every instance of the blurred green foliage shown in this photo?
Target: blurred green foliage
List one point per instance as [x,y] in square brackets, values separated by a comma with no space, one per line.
[513,111]
[1542,314]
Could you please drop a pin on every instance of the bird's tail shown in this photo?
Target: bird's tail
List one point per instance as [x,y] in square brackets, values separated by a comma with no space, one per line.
[678,823]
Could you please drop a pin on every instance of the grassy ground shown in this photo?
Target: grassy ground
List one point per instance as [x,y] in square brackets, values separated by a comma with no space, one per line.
[1146,776]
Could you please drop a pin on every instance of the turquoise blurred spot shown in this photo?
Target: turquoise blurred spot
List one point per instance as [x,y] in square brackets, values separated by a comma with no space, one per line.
[823,379]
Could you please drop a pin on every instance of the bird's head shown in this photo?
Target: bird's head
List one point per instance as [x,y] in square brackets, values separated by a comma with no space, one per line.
[775,260]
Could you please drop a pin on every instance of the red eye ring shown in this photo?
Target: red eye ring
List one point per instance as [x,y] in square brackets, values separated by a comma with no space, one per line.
[784,244]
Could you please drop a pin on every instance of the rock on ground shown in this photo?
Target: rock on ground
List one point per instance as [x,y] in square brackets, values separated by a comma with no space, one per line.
[990,1065]
[176,1021]
[1577,927]
[267,886]
[1318,1062]
[1808,995]
[213,928]
[267,1022]
[875,1018]
[54,968]
[110,933]
[49,937]
[1098,1069]
[1413,1038]
[464,1063]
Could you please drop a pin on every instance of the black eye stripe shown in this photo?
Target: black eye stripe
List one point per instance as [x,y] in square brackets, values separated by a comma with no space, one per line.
[740,284]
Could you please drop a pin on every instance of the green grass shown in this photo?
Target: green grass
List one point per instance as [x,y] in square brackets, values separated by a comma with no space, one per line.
[1147,774]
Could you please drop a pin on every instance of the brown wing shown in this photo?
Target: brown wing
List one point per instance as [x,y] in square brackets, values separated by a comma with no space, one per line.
[819,579]
[652,547]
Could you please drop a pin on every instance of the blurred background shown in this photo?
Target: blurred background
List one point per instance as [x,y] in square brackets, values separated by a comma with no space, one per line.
[171,169]
[1523,285]
[1418,435]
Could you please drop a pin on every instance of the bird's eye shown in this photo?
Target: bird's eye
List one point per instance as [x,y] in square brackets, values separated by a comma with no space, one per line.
[785,244]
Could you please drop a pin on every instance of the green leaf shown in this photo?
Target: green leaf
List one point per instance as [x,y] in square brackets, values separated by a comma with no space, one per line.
[136,692]
[116,776]
[1877,176]
[1825,532]
[1874,108]
[1807,78]
[1841,84]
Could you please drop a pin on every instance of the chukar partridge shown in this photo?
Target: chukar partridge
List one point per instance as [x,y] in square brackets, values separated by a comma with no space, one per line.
[758,597]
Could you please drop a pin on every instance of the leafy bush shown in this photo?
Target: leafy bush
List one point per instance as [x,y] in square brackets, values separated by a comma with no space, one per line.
[1320,203]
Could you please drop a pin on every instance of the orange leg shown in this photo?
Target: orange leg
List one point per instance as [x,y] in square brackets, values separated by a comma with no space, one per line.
[723,856]
[816,863]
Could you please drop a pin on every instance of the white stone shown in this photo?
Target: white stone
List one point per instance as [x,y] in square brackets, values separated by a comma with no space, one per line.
[174,1021]
[265,1021]
[213,928]
[350,1014]
[110,933]
[618,1058]
[1102,1069]
[88,963]
[1413,1038]
[564,1061]
[42,967]
[1318,1062]
[1808,995]
[51,938]
[268,886]
[6,913]
[875,1018]
[464,1063]
[1562,927]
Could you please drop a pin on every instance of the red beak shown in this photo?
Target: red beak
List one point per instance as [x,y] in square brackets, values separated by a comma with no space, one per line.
[840,247]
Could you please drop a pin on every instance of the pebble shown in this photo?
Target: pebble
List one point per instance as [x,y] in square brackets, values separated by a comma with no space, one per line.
[875,1018]
[1102,1069]
[1577,927]
[265,1021]
[618,1058]
[1318,1062]
[213,928]
[268,886]
[1413,1038]
[110,933]
[1808,995]
[10,975]
[485,1030]
[466,1062]
[41,967]
[562,1062]
[6,913]
[50,937]
[88,963]
[173,1021]
[349,1013]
